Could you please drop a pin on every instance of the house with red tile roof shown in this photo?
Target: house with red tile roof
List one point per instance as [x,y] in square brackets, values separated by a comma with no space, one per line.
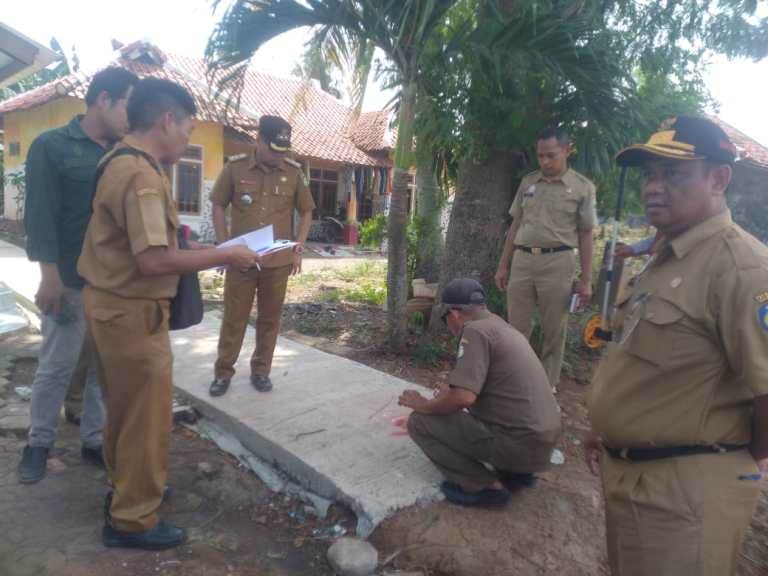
[747,194]
[346,156]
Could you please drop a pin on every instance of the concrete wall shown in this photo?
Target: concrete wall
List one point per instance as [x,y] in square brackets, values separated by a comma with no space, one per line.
[748,198]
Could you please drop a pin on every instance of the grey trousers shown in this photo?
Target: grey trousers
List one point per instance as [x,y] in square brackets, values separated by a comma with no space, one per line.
[62,342]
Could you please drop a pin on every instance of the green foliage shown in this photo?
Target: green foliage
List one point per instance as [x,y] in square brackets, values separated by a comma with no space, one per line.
[372,232]
[314,65]
[332,295]
[417,322]
[363,270]
[496,73]
[367,294]
[17,179]
[428,352]
[412,248]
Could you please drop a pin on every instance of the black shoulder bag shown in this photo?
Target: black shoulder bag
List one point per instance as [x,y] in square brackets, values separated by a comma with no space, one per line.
[187,305]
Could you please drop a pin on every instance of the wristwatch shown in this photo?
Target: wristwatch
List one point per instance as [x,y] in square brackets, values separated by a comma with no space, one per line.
[298,248]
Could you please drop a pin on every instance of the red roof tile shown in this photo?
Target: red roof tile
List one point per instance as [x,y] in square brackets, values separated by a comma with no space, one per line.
[750,150]
[371,131]
[323,127]
[70,85]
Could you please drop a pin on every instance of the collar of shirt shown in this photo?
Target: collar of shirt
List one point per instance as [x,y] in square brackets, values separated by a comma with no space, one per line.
[133,142]
[256,163]
[477,313]
[75,130]
[689,239]
[566,178]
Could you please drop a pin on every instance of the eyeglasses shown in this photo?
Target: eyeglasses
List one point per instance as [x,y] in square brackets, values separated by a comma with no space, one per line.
[444,317]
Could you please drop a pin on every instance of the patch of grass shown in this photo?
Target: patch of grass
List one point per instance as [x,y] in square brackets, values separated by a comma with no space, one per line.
[367,294]
[318,328]
[305,279]
[332,295]
[363,270]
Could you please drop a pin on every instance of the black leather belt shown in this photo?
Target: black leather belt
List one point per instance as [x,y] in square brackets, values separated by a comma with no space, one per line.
[536,251]
[644,454]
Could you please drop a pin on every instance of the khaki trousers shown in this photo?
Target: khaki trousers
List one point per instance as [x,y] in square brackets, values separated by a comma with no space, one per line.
[460,445]
[678,516]
[134,361]
[546,281]
[268,286]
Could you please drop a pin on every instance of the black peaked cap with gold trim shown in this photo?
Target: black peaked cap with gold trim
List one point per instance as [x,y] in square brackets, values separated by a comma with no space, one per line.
[682,138]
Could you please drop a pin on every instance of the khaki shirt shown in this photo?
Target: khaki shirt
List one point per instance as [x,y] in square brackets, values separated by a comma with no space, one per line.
[260,196]
[496,362]
[553,212]
[694,345]
[133,210]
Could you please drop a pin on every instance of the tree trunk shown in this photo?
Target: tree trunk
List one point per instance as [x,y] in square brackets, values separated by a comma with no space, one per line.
[397,223]
[428,211]
[478,220]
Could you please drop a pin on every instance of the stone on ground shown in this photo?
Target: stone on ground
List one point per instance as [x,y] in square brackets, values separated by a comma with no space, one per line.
[353,557]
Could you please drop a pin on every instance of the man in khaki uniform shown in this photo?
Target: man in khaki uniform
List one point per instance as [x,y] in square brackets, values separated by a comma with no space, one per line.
[497,409]
[262,189]
[552,213]
[679,406]
[131,263]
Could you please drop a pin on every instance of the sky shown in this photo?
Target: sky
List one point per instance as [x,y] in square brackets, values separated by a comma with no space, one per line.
[183,26]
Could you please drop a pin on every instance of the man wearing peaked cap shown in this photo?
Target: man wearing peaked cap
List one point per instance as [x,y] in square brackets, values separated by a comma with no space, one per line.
[679,405]
[496,409]
[261,189]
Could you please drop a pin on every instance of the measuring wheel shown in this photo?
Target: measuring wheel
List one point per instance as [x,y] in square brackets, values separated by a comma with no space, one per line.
[589,333]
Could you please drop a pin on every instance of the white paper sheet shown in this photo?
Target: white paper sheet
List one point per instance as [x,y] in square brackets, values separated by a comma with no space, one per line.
[261,241]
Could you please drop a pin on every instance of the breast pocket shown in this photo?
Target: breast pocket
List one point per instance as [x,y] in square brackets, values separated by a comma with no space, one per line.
[563,207]
[657,332]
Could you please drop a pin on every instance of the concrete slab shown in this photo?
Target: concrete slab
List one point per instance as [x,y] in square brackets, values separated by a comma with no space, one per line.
[327,423]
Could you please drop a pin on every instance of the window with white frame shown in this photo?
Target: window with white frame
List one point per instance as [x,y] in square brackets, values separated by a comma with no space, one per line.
[186,178]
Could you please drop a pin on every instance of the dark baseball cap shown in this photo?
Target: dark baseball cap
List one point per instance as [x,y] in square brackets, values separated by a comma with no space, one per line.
[682,138]
[462,292]
[276,132]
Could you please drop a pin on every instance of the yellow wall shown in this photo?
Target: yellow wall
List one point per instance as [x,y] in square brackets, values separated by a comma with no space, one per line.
[26,125]
[211,137]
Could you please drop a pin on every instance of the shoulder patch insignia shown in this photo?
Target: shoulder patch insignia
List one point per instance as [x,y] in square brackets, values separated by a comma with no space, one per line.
[762,316]
[762,298]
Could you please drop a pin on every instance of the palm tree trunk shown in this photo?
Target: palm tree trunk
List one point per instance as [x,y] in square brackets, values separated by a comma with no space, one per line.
[478,220]
[428,212]
[397,270]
